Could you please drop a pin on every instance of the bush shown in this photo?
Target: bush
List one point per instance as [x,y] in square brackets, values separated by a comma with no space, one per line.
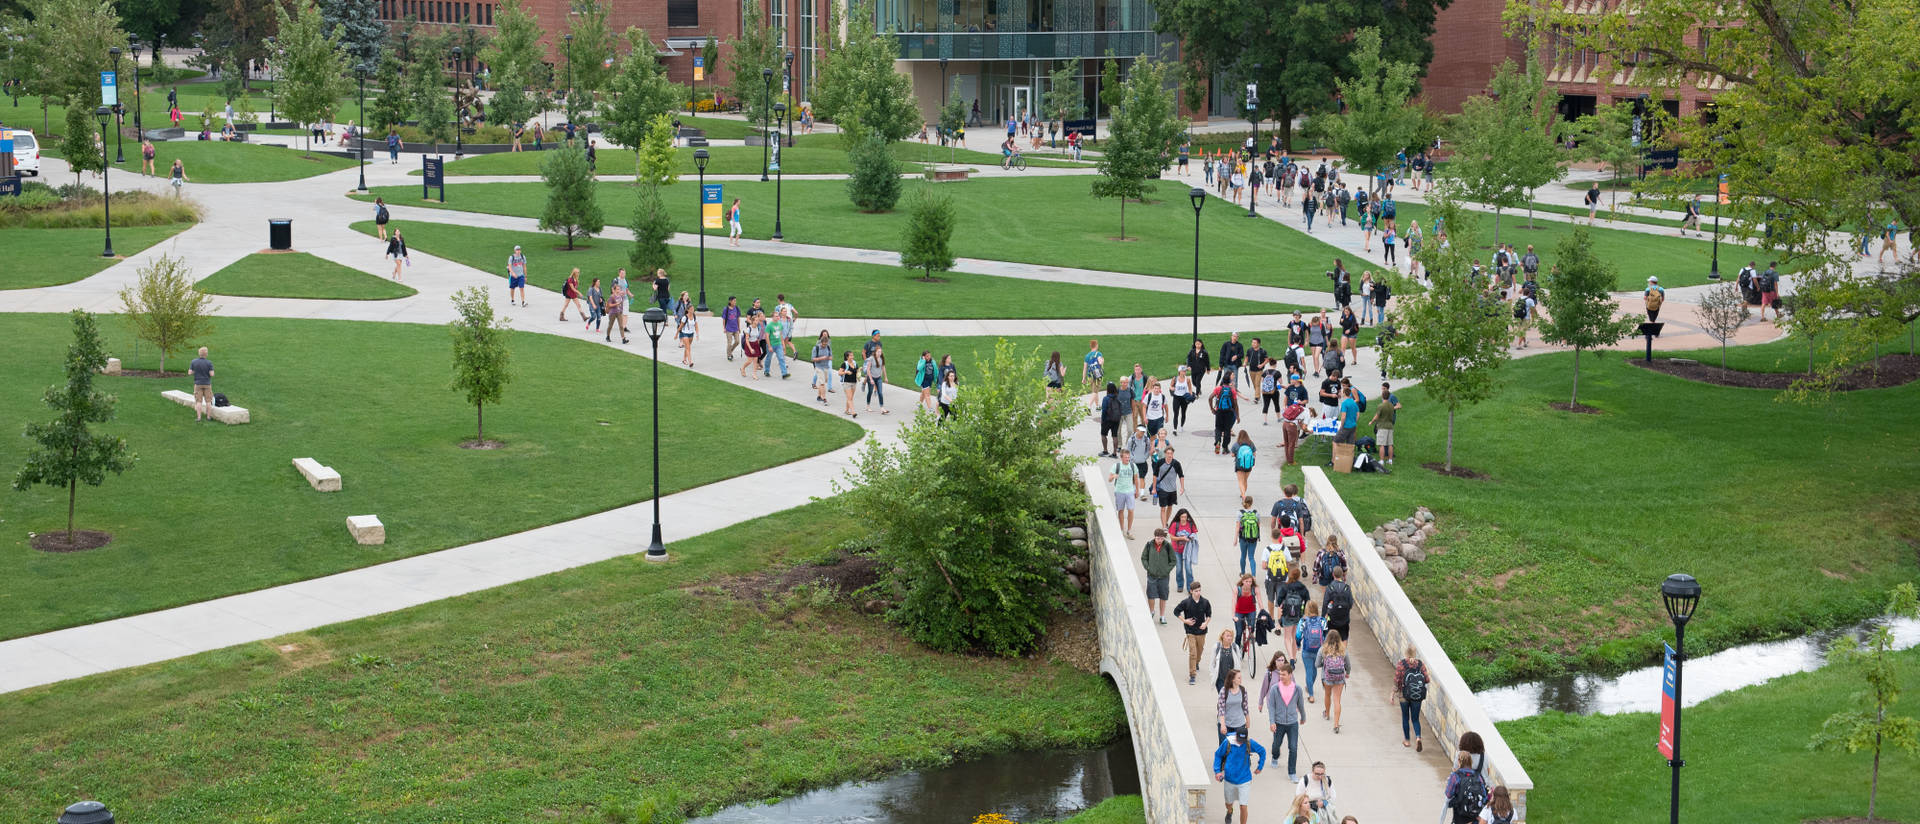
[964,514]
[42,208]
[875,184]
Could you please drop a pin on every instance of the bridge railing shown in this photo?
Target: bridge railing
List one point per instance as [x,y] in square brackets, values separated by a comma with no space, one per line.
[1173,779]
[1450,707]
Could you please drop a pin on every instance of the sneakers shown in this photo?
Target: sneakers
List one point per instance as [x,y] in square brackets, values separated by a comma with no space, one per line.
[1191,681]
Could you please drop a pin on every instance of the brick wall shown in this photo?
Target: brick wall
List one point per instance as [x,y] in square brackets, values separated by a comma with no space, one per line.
[1468,44]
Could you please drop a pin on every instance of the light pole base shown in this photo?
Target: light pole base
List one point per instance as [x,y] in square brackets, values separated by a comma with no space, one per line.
[701,306]
[656,551]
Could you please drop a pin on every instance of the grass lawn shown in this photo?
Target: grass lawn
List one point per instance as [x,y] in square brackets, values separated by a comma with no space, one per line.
[48,257]
[719,128]
[212,510]
[804,159]
[194,98]
[570,697]
[1120,809]
[1582,515]
[1747,758]
[300,275]
[216,162]
[1676,261]
[1049,221]
[820,288]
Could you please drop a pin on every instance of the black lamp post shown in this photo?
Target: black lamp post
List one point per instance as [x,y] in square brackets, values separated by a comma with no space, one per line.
[1199,198]
[119,143]
[1714,273]
[766,111]
[700,163]
[786,91]
[569,39]
[779,173]
[137,127]
[272,69]
[105,114]
[655,319]
[943,84]
[1682,594]
[1253,116]
[361,138]
[86,812]
[459,148]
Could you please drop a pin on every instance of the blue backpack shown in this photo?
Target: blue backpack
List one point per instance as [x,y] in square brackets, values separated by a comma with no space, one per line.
[1243,460]
[1223,399]
[1313,632]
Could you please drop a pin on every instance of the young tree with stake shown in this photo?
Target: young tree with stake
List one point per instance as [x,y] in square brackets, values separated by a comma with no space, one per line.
[68,453]
[926,246]
[1579,308]
[1854,730]
[572,209]
[480,355]
[164,307]
[1722,312]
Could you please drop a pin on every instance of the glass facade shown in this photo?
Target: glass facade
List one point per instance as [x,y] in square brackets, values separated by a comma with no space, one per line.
[1017,29]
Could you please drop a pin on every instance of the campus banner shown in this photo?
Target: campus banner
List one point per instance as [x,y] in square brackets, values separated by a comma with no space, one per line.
[710,206]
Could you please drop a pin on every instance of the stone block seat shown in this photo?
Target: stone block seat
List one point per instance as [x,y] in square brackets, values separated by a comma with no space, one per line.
[367,529]
[322,478]
[229,415]
[943,174]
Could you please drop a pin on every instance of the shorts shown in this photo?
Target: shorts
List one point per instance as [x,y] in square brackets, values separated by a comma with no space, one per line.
[686,336]
[1123,501]
[1053,384]
[1157,589]
[1167,498]
[1383,437]
[1109,428]
[1767,298]
[1241,794]
[516,283]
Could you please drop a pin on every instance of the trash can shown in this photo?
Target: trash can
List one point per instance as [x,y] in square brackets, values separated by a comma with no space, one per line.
[280,233]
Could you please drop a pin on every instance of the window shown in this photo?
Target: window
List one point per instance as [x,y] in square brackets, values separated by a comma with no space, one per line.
[683,12]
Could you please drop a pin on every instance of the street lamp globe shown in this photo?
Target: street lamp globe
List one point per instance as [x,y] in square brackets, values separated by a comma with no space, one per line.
[1199,198]
[655,320]
[1682,594]
[700,160]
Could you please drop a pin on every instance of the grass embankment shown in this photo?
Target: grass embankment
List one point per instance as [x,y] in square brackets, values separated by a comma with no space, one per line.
[212,510]
[1792,516]
[217,162]
[299,275]
[1050,221]
[49,257]
[1120,809]
[813,158]
[576,695]
[820,288]
[1747,758]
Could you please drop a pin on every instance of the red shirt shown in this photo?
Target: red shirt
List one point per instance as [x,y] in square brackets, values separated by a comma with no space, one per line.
[1243,603]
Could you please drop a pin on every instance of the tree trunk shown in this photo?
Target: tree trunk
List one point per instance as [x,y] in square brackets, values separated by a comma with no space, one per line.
[1283,117]
[73,491]
[1809,354]
[1123,218]
[1449,440]
[479,422]
[1873,790]
[1575,402]
[1496,228]
[1723,353]
[1529,209]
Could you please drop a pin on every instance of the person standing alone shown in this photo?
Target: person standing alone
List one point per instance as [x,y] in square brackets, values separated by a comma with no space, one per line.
[517,276]
[202,371]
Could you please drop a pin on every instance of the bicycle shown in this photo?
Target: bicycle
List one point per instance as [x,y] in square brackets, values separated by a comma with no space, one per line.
[1017,163]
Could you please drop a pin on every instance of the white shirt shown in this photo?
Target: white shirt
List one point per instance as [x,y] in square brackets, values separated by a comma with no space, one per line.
[948,392]
[1314,791]
[1156,405]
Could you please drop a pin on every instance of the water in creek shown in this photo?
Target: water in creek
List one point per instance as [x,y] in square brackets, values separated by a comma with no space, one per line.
[1021,786]
[1704,677]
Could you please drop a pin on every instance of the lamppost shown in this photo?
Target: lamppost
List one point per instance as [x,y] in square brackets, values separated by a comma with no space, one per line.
[119,139]
[700,163]
[1714,273]
[1199,198]
[361,138]
[138,128]
[1682,594]
[779,174]
[943,84]
[272,69]
[766,111]
[1253,116]
[654,319]
[105,113]
[458,147]
[569,39]
[86,812]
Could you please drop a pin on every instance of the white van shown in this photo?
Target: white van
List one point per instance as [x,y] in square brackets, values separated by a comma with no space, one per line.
[26,153]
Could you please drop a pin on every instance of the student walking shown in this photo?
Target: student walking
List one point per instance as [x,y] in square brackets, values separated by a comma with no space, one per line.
[1157,559]
[1333,675]
[380,216]
[687,325]
[733,223]
[1233,708]
[1225,403]
[596,305]
[517,276]
[396,250]
[1243,459]
[1195,615]
[822,359]
[1169,483]
[874,373]
[1230,767]
[617,306]
[1284,714]
[1184,393]
[1466,791]
[1125,479]
[1656,297]
[926,376]
[571,292]
[1289,602]
[1410,688]
[949,392]
[177,177]
[1312,635]
[1183,529]
[849,378]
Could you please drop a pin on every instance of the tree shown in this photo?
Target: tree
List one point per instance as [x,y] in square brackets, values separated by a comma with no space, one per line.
[68,452]
[1857,729]
[755,50]
[1503,146]
[235,33]
[962,513]
[592,49]
[1295,48]
[1580,310]
[427,82]
[165,309]
[390,103]
[653,227]
[355,25]
[571,207]
[61,46]
[953,116]
[1722,311]
[480,357]
[874,185]
[658,166]
[1110,93]
[1193,87]
[858,89]
[1606,136]
[710,55]
[926,244]
[643,97]
[79,144]
[1378,121]
[1064,99]
[1450,335]
[1141,134]
[313,67]
[517,60]
[159,22]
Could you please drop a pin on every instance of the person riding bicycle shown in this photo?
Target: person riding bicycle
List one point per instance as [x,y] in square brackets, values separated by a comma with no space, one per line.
[1008,151]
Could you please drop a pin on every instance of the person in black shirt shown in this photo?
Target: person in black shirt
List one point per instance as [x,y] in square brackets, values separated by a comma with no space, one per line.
[1381,293]
[1232,355]
[1198,363]
[1194,613]
[1296,392]
[1296,331]
[1256,359]
[1112,410]
[1330,394]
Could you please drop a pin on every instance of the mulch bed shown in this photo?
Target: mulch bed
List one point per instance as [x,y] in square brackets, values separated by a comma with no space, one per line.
[848,574]
[486,444]
[83,540]
[1456,472]
[1579,408]
[1888,371]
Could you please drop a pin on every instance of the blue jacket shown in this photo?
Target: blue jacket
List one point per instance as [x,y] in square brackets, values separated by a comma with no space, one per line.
[1231,760]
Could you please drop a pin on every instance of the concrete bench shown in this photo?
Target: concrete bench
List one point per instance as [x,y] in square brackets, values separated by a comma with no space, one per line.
[229,415]
[322,478]
[112,367]
[367,529]
[943,174]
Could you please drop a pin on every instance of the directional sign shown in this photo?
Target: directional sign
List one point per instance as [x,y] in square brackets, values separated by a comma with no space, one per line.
[1666,705]
[109,89]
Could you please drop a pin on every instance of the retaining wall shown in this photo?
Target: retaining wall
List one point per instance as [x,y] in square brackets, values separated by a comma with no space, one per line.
[1450,708]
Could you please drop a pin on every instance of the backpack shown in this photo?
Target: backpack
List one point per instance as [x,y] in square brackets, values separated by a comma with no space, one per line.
[1297,517]
[1329,561]
[1335,669]
[1655,298]
[1312,634]
[1293,607]
[1468,797]
[1387,209]
[1520,309]
[1360,398]
[1223,399]
[1339,602]
[1276,563]
[1266,382]
[1249,522]
[381,213]
[1414,686]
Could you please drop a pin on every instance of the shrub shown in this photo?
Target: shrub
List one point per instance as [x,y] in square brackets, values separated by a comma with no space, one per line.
[875,184]
[42,209]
